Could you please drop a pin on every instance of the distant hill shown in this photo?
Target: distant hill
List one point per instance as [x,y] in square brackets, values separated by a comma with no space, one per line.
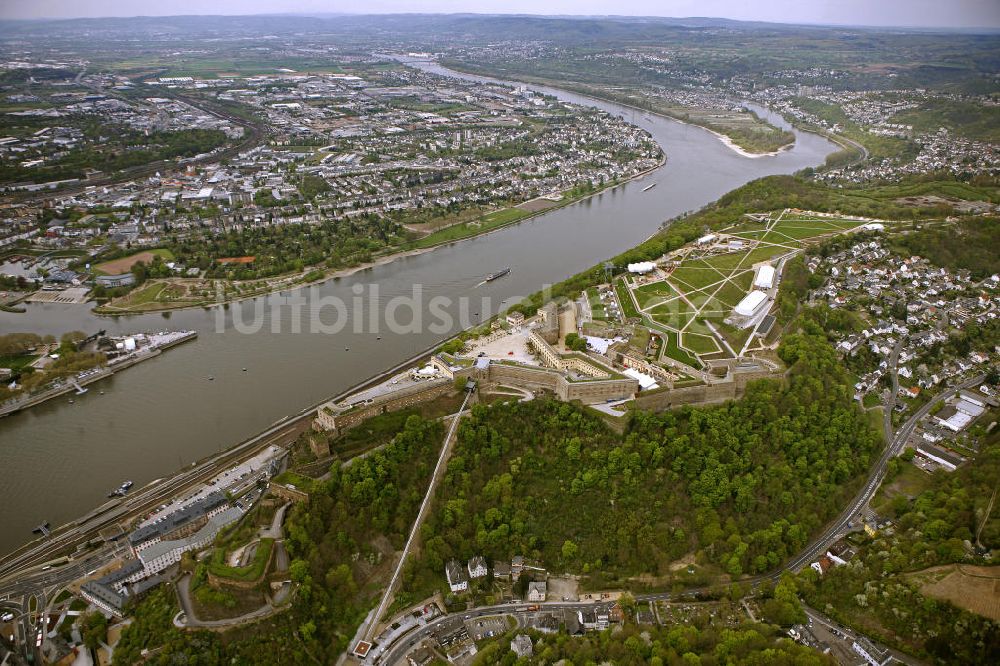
[598,29]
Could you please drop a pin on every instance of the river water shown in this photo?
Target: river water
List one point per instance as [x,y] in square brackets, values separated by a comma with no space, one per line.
[59,460]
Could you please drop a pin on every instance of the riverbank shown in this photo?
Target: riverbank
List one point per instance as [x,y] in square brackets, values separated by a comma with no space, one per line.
[108,310]
[732,145]
[174,416]
[78,382]
[99,517]
[587,91]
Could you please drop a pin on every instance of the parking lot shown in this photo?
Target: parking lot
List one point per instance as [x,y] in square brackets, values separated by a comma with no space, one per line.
[513,347]
[486,627]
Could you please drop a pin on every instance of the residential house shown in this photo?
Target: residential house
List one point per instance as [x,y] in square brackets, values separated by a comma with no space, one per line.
[457,579]
[521,646]
[477,567]
[501,570]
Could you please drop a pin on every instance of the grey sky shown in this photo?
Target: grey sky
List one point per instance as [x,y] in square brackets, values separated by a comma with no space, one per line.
[916,13]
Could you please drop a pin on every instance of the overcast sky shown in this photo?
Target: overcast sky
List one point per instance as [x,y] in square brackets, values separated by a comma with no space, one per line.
[922,13]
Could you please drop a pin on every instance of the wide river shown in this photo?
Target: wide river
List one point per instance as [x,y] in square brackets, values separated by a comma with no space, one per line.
[59,460]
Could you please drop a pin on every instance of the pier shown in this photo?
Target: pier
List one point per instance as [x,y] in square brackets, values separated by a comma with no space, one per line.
[77,383]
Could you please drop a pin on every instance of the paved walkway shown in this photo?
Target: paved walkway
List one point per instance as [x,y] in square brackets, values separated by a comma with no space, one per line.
[191,620]
[274,531]
[439,469]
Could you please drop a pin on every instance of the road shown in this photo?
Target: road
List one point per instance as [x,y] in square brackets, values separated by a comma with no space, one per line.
[20,576]
[819,618]
[68,537]
[892,449]
[191,620]
[253,133]
[395,653]
[890,404]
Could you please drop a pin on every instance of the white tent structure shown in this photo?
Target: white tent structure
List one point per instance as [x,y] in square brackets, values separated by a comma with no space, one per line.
[765,277]
[641,267]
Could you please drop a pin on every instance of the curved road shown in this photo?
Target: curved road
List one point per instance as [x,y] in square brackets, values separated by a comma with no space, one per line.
[396,652]
[892,449]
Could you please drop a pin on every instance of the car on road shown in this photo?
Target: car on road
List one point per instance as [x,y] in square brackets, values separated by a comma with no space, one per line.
[6,617]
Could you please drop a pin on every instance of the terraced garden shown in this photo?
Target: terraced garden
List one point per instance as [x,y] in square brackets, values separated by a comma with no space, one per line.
[708,281]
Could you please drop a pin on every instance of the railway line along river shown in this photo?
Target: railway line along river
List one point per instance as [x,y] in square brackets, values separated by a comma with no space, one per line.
[59,460]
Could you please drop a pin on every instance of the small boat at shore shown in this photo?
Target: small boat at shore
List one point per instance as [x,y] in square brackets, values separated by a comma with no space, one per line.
[121,490]
[649,187]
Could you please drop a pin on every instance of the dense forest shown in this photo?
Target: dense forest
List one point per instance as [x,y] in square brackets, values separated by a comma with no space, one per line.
[339,545]
[970,243]
[879,591]
[742,485]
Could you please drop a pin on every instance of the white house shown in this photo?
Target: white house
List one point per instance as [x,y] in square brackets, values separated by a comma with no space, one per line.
[455,573]
[477,567]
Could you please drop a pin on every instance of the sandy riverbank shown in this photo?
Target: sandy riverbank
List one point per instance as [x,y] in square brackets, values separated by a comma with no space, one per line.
[745,153]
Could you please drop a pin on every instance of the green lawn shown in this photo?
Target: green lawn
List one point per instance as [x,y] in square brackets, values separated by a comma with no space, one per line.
[730,294]
[677,320]
[700,344]
[697,274]
[673,350]
[146,295]
[735,336]
[252,571]
[743,280]
[15,363]
[486,223]
[804,231]
[678,305]
[625,300]
[303,483]
[763,253]
[727,262]
[640,339]
[651,294]
[910,481]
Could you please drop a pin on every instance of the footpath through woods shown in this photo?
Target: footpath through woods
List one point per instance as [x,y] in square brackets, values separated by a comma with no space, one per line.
[446,449]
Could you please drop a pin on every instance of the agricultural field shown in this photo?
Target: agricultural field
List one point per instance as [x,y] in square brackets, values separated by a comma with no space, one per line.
[125,264]
[973,588]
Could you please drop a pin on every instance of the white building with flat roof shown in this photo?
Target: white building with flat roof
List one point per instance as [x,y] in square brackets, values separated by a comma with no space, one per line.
[765,277]
[751,304]
[750,310]
[641,267]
